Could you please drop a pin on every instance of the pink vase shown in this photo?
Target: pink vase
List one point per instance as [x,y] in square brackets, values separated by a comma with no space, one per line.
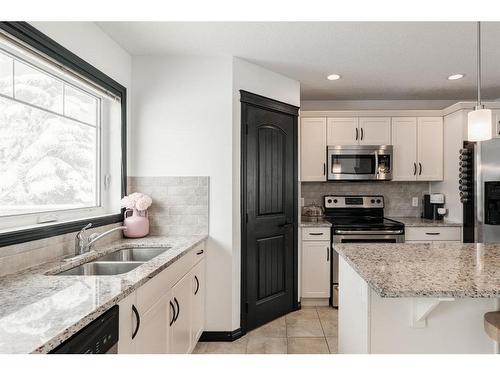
[137,223]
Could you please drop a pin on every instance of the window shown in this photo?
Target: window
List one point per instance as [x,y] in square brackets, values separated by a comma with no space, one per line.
[60,142]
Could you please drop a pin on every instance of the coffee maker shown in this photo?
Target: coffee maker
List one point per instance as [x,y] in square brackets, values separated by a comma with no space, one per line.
[433,207]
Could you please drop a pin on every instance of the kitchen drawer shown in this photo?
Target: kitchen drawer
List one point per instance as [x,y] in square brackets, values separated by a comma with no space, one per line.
[199,252]
[433,234]
[316,234]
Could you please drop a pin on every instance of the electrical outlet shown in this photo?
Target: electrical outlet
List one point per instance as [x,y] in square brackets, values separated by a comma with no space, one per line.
[414,202]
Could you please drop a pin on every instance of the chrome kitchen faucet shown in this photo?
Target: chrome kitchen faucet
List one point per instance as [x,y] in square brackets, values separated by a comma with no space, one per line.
[83,243]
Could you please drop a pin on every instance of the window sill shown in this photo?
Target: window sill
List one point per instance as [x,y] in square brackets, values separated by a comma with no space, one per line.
[14,237]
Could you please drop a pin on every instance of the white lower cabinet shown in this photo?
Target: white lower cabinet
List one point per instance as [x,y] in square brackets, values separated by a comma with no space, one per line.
[152,336]
[198,307]
[315,264]
[127,325]
[180,330]
[166,314]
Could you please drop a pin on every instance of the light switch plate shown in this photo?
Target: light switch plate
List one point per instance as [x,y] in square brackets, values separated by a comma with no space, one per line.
[414,202]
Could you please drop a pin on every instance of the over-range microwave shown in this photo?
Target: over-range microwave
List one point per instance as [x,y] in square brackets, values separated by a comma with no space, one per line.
[359,163]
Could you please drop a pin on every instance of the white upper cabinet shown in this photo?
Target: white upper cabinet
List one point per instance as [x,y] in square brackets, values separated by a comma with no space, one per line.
[430,148]
[404,142]
[313,149]
[418,148]
[342,131]
[374,130]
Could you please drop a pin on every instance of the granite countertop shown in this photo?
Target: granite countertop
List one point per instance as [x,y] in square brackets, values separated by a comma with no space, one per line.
[427,270]
[419,222]
[308,222]
[39,311]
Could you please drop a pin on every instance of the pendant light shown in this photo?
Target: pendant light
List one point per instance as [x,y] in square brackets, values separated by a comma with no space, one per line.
[479,124]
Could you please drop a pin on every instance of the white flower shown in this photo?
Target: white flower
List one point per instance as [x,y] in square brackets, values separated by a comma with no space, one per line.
[137,201]
[127,202]
[143,203]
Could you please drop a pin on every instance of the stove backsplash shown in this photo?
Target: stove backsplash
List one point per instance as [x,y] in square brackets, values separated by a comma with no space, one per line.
[397,194]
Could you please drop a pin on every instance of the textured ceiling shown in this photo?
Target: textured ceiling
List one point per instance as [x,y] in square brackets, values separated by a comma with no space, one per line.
[377,60]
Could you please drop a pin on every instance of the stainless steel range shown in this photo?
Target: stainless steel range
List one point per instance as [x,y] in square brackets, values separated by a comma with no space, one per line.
[358,219]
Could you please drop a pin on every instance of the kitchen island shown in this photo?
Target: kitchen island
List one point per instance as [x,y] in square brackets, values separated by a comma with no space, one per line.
[417,298]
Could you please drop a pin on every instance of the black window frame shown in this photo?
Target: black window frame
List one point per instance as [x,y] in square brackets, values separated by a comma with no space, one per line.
[41,42]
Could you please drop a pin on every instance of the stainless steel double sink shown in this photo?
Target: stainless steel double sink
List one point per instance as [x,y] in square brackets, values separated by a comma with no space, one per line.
[116,263]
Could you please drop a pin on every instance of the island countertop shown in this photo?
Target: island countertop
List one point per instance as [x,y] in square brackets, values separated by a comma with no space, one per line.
[40,311]
[427,270]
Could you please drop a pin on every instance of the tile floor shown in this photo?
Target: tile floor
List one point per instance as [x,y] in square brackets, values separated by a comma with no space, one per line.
[311,330]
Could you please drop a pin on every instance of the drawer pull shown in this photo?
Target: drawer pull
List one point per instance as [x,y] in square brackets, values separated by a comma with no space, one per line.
[199,252]
[138,319]
[178,309]
[197,285]
[433,233]
[173,312]
[316,234]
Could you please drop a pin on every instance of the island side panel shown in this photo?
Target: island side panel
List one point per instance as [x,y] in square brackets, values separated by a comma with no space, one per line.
[354,311]
[453,327]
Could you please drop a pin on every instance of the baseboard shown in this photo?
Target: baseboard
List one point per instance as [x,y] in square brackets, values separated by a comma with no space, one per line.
[221,335]
[307,302]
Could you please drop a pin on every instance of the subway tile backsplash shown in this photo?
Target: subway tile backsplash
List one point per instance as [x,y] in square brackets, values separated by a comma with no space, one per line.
[180,204]
[397,194]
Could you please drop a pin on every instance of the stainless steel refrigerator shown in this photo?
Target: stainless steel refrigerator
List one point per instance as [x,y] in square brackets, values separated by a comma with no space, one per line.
[480,190]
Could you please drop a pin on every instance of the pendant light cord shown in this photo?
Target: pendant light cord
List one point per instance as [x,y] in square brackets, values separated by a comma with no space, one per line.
[479,64]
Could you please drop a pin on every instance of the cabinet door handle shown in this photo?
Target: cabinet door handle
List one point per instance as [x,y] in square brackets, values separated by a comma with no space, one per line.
[357,134]
[414,168]
[173,313]
[324,169]
[178,309]
[197,285]
[420,168]
[327,254]
[138,318]
[433,233]
[200,252]
[362,134]
[316,234]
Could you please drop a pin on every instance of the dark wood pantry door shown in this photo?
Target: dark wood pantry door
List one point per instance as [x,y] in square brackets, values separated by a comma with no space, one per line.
[269,209]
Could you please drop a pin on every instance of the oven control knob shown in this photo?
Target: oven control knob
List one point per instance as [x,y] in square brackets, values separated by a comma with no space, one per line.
[329,201]
[335,201]
[379,201]
[373,201]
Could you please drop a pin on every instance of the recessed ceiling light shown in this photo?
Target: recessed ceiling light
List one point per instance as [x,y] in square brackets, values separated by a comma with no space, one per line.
[333,77]
[454,77]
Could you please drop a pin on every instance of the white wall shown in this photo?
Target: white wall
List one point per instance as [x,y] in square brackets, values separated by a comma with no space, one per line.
[182,127]
[89,42]
[255,79]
